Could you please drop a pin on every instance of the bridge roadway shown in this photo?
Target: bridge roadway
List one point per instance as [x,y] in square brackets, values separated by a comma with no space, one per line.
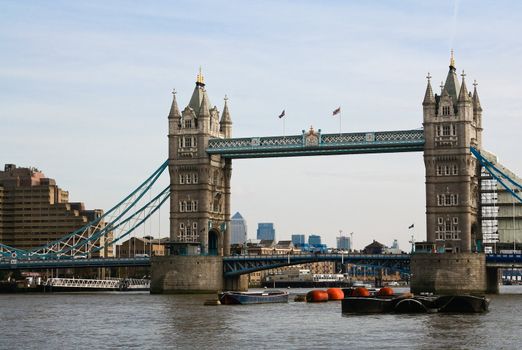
[242,264]
[72,263]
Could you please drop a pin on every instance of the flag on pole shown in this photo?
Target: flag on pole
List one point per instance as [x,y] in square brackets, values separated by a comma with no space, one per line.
[336,111]
[411,226]
[282,114]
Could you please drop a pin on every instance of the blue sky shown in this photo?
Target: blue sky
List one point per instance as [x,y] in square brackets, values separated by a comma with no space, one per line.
[85,92]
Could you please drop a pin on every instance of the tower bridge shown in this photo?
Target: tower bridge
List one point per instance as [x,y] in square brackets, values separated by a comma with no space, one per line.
[201,150]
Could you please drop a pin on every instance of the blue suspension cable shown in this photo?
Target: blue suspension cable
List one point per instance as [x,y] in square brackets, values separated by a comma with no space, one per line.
[485,164]
[147,184]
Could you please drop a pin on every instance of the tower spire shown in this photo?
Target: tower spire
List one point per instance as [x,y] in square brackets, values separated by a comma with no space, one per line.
[174,110]
[204,110]
[200,80]
[452,60]
[452,85]
[226,122]
[476,100]
[463,94]
[429,98]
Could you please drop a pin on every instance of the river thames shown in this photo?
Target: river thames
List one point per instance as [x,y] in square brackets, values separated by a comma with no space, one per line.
[142,321]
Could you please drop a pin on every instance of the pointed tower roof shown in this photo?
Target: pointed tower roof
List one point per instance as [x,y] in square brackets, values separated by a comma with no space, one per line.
[463,94]
[174,110]
[204,110]
[429,98]
[452,85]
[237,216]
[197,95]
[225,117]
[476,100]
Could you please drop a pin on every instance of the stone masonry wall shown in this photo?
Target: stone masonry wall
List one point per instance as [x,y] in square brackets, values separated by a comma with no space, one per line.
[187,274]
[448,273]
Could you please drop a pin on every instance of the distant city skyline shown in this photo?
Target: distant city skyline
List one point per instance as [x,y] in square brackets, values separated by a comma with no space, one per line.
[266,231]
[85,90]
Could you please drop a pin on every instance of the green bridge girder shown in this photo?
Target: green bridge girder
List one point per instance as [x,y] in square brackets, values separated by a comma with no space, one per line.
[314,143]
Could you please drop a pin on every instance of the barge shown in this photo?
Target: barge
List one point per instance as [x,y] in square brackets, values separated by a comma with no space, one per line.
[410,304]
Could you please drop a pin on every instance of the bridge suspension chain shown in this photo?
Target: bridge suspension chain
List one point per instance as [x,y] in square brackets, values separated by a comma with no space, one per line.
[96,235]
[497,174]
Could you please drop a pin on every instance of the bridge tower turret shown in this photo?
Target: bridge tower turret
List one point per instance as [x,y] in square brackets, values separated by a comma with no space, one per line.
[200,183]
[452,123]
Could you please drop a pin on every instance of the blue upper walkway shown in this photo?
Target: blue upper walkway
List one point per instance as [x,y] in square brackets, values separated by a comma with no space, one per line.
[314,143]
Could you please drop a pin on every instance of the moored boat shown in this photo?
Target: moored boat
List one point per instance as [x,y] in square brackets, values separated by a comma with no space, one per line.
[269,296]
[415,304]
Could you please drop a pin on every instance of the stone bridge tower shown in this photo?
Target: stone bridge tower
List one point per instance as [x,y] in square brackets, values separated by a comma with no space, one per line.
[199,182]
[454,262]
[452,123]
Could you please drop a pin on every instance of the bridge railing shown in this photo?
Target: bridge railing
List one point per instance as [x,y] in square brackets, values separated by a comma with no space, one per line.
[317,143]
[320,255]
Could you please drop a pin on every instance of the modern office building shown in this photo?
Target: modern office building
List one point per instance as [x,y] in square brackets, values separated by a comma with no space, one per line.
[239,229]
[35,211]
[298,239]
[344,243]
[314,240]
[266,231]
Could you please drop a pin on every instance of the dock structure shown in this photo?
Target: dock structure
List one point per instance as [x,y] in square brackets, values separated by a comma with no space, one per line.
[95,284]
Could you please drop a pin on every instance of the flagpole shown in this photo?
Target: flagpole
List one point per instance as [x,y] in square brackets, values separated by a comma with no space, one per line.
[283,126]
[340,123]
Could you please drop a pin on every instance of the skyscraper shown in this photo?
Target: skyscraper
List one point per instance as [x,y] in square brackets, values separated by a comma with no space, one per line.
[239,229]
[265,230]
[344,243]
[314,240]
[298,239]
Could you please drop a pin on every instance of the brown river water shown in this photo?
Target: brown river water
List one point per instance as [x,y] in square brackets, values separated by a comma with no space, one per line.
[119,320]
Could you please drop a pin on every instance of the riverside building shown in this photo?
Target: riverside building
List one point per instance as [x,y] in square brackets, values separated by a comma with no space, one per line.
[35,211]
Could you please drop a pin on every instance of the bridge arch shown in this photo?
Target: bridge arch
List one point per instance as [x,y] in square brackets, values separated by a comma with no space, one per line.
[213,242]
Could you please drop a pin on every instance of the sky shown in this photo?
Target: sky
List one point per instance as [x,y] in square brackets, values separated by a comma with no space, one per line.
[85,90]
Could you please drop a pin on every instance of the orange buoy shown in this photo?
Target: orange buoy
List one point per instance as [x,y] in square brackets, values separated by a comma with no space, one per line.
[315,296]
[335,294]
[361,292]
[385,292]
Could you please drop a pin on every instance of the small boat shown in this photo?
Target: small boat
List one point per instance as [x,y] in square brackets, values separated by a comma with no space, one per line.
[269,296]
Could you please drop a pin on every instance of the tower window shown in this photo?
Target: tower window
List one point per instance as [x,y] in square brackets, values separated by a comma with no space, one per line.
[195,178]
[445,110]
[188,123]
